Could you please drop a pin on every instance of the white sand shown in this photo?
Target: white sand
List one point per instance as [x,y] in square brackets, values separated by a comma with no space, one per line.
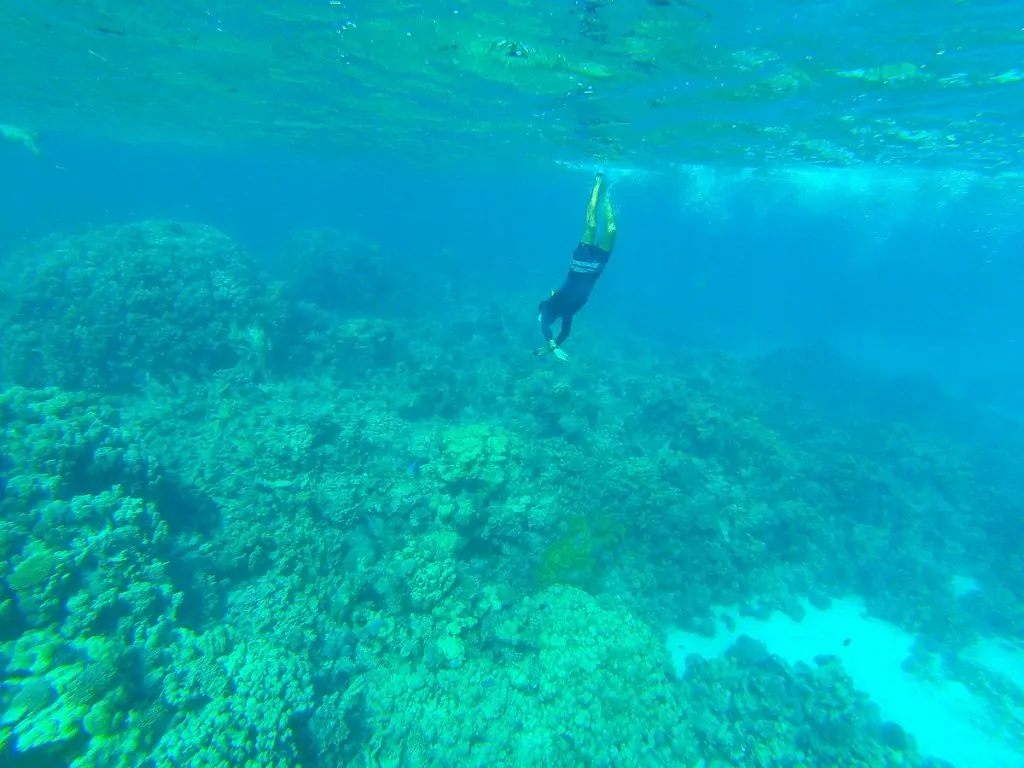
[946,718]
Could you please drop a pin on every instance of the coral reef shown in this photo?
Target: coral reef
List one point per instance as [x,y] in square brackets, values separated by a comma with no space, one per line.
[240,530]
[111,308]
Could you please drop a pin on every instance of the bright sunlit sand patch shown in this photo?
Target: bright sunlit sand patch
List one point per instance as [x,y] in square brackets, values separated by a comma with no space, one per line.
[1005,660]
[948,720]
[1001,657]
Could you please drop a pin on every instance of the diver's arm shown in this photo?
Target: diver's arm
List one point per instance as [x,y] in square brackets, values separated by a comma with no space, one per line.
[545,327]
[552,344]
[563,334]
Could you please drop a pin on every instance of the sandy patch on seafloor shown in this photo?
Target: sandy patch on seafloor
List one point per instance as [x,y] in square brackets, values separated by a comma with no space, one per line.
[948,719]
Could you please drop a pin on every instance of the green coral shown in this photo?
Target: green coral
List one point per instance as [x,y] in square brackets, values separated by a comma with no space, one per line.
[37,571]
[39,582]
[84,686]
[33,696]
[572,558]
[11,537]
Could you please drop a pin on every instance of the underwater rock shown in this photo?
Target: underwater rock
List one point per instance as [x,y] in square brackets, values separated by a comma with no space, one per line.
[747,650]
[793,608]
[705,627]
[893,736]
[343,273]
[819,600]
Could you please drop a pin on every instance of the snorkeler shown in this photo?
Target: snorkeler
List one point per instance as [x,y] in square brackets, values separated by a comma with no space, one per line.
[588,262]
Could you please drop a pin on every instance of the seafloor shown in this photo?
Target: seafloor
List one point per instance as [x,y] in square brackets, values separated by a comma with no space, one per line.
[270,516]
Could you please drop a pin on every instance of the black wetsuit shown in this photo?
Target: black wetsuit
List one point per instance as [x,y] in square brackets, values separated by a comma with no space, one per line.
[588,262]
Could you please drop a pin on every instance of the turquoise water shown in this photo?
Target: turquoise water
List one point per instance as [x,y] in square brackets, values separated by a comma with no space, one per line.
[284,481]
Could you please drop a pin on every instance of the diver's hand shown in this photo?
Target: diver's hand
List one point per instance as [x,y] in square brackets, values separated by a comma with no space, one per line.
[551,347]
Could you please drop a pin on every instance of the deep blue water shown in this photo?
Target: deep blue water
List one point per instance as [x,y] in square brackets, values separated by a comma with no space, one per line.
[755,268]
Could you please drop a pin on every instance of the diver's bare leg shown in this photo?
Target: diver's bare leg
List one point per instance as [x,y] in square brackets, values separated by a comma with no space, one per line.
[610,230]
[590,229]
